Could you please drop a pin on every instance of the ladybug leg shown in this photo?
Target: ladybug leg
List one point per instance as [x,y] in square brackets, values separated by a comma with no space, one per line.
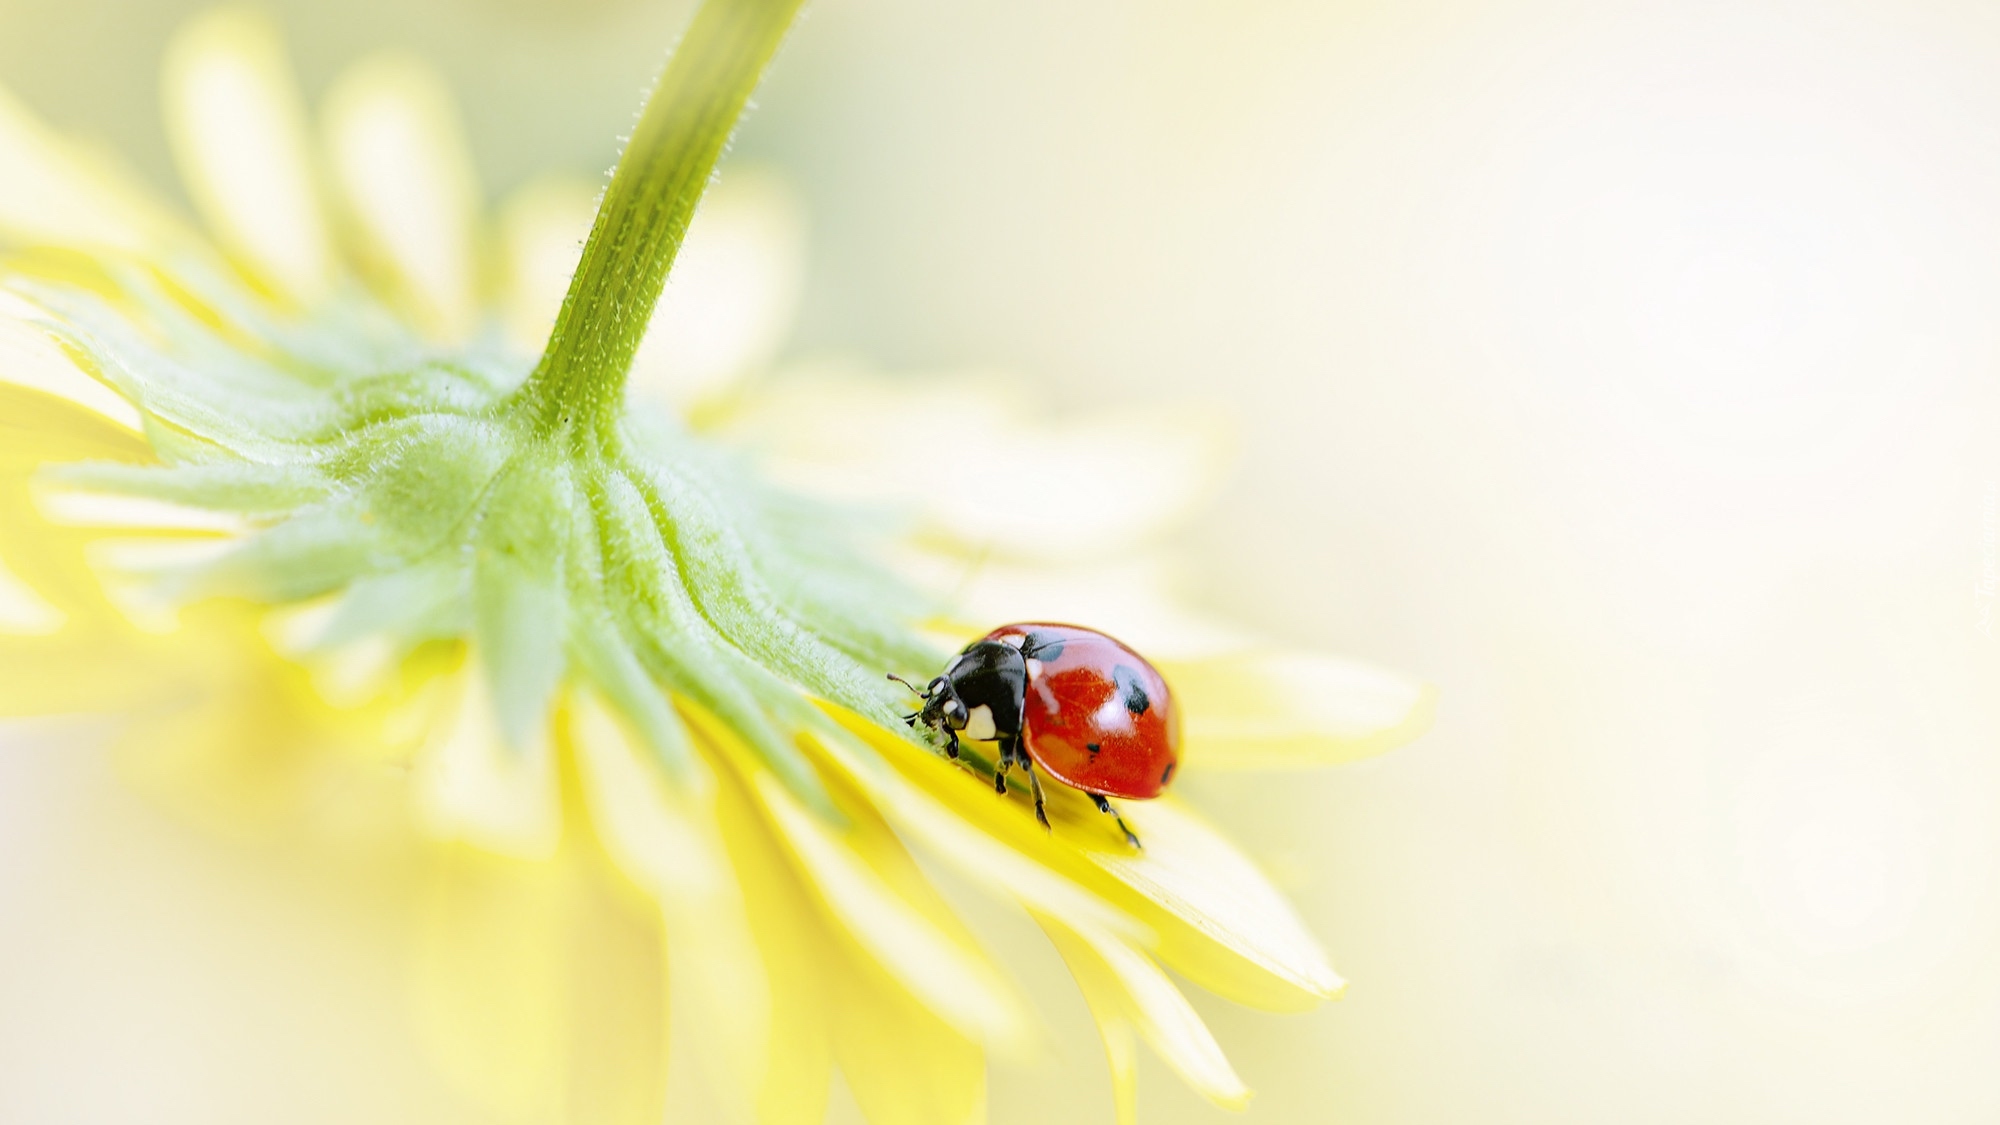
[1035,783]
[1104,806]
[950,742]
[1001,762]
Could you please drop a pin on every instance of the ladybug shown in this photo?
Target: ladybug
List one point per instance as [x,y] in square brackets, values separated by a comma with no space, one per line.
[1079,704]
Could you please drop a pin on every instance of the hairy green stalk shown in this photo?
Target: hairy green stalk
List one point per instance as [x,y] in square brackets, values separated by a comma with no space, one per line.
[579,383]
[561,541]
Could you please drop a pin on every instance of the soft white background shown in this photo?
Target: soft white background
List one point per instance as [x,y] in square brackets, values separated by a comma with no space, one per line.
[1628,370]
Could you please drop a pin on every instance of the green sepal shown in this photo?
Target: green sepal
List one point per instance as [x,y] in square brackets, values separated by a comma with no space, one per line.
[523,511]
[519,606]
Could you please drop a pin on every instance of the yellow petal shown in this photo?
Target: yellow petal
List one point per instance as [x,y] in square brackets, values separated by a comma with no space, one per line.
[50,563]
[53,561]
[1286,710]
[23,612]
[1127,991]
[133,574]
[670,842]
[539,990]
[53,194]
[904,1065]
[38,427]
[399,157]
[60,674]
[734,289]
[350,675]
[1121,1058]
[542,228]
[229,734]
[30,359]
[473,786]
[869,884]
[239,134]
[794,938]
[1219,899]
[72,506]
[852,437]
[1189,896]
[992,840]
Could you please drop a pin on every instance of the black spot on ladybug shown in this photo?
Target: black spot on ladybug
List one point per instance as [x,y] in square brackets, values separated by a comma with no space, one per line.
[1167,774]
[1092,747]
[1130,689]
[1042,646]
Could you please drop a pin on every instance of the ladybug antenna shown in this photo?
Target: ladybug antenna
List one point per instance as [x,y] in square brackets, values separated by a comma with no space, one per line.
[920,693]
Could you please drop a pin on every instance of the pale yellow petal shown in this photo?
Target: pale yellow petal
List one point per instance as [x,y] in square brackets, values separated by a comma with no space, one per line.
[23,612]
[1285,710]
[488,999]
[1111,1008]
[349,675]
[472,786]
[1125,989]
[1189,896]
[53,194]
[232,736]
[132,573]
[75,506]
[542,228]
[37,427]
[68,672]
[239,133]
[869,886]
[1081,488]
[30,359]
[357,673]
[1121,1057]
[904,1065]
[1197,878]
[539,991]
[982,835]
[52,560]
[853,869]
[734,288]
[153,541]
[793,937]
[669,841]
[399,157]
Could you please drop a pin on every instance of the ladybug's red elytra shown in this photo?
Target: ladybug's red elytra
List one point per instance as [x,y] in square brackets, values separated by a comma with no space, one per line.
[1081,705]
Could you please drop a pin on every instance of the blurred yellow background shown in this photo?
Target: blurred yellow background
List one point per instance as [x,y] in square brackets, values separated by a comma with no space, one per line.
[1627,370]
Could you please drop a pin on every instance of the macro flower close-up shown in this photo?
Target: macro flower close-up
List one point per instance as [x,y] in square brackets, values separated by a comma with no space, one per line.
[362,524]
[875,562]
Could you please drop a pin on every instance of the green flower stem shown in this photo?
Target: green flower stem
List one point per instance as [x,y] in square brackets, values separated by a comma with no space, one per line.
[579,383]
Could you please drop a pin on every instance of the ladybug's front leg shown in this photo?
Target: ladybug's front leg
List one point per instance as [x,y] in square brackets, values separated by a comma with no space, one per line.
[1001,762]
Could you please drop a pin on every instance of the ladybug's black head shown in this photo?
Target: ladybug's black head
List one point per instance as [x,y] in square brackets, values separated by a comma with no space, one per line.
[941,705]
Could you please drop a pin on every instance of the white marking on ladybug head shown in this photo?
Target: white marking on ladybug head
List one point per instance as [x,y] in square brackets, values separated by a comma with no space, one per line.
[1014,640]
[979,724]
[1034,667]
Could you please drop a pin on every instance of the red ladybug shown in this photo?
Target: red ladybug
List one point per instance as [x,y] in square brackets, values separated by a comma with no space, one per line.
[1071,700]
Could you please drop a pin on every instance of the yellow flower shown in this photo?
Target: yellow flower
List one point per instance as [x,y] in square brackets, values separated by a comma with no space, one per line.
[266,500]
